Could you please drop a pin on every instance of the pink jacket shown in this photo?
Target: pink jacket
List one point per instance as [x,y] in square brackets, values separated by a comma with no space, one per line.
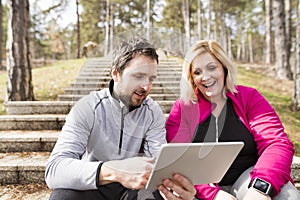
[275,150]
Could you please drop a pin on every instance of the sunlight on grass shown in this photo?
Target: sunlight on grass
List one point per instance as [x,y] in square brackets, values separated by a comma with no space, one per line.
[49,81]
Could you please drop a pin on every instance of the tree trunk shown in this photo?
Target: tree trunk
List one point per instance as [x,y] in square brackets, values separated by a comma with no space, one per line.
[19,83]
[106,45]
[221,20]
[268,32]
[283,69]
[239,46]
[148,19]
[230,54]
[111,42]
[288,20]
[208,20]
[215,28]
[288,27]
[1,35]
[251,59]
[297,67]
[78,29]
[199,24]
[243,42]
[186,19]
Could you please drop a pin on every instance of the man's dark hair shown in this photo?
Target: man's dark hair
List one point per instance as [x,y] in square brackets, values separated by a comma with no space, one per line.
[127,50]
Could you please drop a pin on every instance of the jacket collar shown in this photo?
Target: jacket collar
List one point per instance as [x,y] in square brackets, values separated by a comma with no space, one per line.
[117,101]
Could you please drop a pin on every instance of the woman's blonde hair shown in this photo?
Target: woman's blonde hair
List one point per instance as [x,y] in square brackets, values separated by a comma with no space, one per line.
[187,86]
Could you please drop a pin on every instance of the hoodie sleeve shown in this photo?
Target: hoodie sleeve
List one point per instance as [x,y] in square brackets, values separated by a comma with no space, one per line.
[274,147]
[182,122]
[206,191]
[173,122]
[156,133]
[65,169]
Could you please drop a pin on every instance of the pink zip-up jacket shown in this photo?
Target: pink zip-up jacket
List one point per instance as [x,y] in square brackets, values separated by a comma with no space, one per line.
[275,150]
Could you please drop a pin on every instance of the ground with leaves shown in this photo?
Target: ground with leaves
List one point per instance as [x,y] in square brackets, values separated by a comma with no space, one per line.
[24,192]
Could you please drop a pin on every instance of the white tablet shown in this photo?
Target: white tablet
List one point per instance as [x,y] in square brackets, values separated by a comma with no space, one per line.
[201,163]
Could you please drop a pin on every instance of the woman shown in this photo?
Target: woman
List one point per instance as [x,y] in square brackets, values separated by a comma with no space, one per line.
[214,108]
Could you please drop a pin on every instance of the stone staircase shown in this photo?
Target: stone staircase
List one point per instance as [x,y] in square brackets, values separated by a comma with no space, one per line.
[30,129]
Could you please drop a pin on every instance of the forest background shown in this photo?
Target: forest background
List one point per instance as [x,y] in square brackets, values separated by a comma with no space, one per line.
[263,32]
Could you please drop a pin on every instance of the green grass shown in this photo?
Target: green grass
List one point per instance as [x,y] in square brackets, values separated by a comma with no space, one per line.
[48,81]
[3,78]
[51,80]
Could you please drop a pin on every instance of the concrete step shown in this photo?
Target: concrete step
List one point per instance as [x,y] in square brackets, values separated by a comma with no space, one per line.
[104,73]
[96,64]
[32,122]
[29,167]
[166,106]
[154,90]
[176,69]
[91,69]
[27,141]
[295,173]
[108,78]
[103,67]
[43,108]
[38,107]
[103,64]
[23,167]
[97,61]
[169,60]
[156,97]
[164,97]
[107,66]
[101,61]
[107,73]
[99,85]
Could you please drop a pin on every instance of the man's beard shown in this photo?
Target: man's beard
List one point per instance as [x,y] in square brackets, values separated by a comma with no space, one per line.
[127,100]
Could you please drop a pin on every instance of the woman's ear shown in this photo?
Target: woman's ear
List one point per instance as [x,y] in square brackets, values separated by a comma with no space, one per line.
[114,74]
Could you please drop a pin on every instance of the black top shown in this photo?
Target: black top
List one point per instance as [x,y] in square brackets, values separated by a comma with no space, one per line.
[230,129]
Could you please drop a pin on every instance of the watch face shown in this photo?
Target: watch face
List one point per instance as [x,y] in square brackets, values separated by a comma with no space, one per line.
[261,185]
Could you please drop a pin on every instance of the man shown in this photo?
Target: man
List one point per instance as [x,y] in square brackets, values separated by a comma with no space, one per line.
[108,144]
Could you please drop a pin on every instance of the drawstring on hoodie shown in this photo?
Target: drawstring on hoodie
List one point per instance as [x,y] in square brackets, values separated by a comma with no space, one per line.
[121,131]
